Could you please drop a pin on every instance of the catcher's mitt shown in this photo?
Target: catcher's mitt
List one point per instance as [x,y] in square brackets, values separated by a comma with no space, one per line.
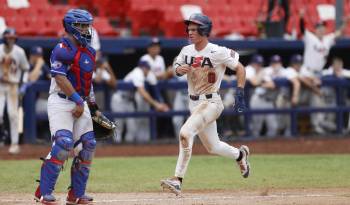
[103,127]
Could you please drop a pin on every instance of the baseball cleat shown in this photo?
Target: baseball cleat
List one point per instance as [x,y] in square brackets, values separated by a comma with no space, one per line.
[173,185]
[72,200]
[14,149]
[46,199]
[243,163]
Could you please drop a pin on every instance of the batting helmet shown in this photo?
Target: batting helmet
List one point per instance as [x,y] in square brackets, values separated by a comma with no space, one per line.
[9,33]
[203,21]
[72,19]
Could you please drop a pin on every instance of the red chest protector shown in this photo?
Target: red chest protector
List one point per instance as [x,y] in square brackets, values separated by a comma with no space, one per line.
[82,69]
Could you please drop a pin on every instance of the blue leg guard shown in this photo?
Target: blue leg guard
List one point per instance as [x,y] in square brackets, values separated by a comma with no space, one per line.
[62,145]
[81,164]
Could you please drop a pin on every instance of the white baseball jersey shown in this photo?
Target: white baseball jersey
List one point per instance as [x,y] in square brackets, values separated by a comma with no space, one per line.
[289,73]
[208,67]
[268,74]
[157,64]
[95,41]
[19,63]
[330,71]
[250,72]
[103,73]
[137,77]
[316,50]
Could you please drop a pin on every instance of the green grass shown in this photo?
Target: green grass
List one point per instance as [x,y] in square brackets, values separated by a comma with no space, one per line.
[136,174]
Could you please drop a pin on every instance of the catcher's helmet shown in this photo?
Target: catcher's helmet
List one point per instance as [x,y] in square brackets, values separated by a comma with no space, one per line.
[203,21]
[72,19]
[9,33]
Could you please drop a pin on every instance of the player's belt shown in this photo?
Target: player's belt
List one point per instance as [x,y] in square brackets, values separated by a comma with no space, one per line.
[197,97]
[61,95]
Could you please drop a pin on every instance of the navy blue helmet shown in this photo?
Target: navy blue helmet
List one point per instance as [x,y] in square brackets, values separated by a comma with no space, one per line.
[297,59]
[203,21]
[257,58]
[9,33]
[75,18]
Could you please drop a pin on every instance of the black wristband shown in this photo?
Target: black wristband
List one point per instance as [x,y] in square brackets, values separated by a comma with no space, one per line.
[93,107]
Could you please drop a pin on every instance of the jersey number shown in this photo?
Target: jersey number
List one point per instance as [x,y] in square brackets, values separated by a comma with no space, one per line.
[211,77]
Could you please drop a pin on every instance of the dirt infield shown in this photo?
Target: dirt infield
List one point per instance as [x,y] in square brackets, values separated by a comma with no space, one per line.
[261,197]
[276,146]
[338,196]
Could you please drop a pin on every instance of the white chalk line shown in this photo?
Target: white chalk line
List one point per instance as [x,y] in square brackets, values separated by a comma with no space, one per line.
[191,198]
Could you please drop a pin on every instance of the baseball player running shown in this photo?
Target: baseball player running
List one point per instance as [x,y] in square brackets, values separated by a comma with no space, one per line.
[13,62]
[71,95]
[205,64]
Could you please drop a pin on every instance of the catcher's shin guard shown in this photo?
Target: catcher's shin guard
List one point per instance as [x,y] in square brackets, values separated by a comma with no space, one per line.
[52,165]
[81,165]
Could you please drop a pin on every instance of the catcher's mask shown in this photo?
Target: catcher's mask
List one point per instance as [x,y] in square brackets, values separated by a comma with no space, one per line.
[78,23]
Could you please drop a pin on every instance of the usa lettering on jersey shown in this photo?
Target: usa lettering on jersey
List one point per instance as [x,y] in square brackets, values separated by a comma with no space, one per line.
[198,61]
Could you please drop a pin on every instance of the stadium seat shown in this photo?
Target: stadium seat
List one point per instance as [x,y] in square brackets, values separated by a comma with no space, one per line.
[101,24]
[7,12]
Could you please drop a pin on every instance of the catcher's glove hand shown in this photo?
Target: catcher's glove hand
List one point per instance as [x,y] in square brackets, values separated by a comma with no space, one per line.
[103,127]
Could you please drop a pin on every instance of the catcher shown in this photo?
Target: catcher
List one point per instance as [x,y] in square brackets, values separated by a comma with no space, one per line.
[69,104]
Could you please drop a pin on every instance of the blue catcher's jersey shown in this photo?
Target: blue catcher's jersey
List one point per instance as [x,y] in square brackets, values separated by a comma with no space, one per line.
[76,63]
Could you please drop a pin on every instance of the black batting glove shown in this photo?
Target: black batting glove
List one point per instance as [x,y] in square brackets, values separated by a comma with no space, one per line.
[239,105]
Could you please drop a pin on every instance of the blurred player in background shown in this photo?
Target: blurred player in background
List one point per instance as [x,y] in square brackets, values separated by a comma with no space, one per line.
[13,62]
[39,70]
[71,92]
[253,74]
[205,64]
[180,104]
[316,50]
[264,96]
[125,101]
[104,73]
[335,71]
[286,98]
[154,59]
[96,44]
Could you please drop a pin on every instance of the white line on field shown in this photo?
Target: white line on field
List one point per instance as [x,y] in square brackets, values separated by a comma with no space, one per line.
[189,198]
[211,198]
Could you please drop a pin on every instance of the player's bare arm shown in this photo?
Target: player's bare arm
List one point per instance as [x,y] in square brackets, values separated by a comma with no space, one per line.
[296,90]
[308,82]
[240,72]
[157,105]
[35,74]
[68,89]
[339,31]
